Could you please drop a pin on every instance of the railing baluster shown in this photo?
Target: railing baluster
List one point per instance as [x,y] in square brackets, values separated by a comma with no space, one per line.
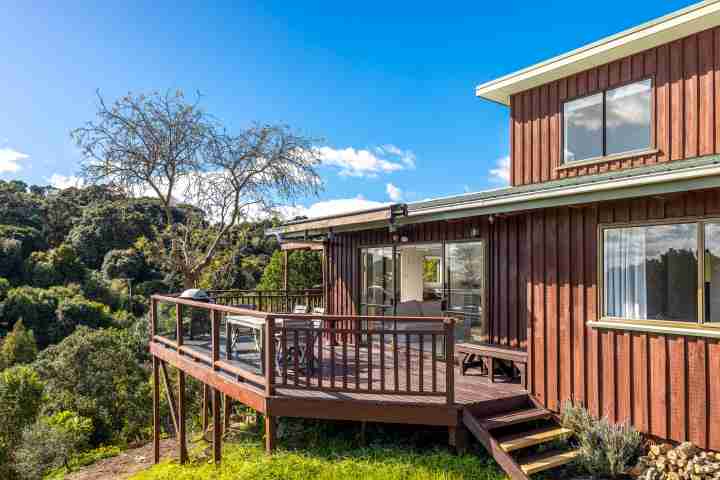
[382,361]
[283,353]
[270,356]
[422,361]
[215,336]
[433,361]
[344,355]
[449,361]
[178,325]
[370,359]
[320,356]
[408,385]
[396,366]
[357,358]
[296,359]
[332,354]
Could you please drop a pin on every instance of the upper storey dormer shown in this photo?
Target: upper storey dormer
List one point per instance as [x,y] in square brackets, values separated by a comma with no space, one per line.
[649,94]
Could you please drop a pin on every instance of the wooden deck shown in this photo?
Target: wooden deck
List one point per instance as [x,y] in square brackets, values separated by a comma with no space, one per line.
[367,369]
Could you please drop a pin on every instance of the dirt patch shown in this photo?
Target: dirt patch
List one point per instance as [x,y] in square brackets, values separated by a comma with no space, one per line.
[125,464]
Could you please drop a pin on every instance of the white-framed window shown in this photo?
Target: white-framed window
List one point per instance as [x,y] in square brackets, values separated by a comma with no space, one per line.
[661,272]
[611,122]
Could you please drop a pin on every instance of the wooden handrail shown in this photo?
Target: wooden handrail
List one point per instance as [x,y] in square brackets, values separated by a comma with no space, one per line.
[385,363]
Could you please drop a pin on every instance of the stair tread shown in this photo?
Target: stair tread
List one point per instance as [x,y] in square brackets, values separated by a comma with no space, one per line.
[537,436]
[547,460]
[513,418]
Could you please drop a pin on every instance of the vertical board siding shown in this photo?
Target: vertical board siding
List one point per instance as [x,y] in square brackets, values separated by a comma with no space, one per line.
[685,109]
[542,291]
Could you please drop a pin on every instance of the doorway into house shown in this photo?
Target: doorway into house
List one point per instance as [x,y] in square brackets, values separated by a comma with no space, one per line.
[427,280]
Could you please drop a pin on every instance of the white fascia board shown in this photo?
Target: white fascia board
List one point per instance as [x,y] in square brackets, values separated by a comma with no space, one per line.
[709,172]
[676,25]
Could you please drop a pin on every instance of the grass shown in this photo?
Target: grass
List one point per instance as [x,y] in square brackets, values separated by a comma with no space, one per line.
[329,451]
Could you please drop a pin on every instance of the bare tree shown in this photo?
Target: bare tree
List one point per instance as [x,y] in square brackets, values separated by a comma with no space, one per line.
[164,146]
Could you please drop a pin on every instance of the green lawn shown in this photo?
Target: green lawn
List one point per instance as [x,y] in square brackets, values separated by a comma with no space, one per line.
[323,450]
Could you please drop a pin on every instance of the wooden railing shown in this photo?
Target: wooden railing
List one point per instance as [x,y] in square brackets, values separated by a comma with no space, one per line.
[397,356]
[271,301]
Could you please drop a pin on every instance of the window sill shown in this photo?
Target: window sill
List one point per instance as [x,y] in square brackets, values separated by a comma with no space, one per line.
[661,328]
[608,158]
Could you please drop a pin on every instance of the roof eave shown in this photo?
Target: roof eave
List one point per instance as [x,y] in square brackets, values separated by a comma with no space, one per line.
[666,29]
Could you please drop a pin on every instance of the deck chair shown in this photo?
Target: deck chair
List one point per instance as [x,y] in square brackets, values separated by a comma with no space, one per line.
[236,332]
[305,343]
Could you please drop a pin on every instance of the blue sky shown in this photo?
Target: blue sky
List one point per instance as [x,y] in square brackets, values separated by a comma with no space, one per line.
[388,86]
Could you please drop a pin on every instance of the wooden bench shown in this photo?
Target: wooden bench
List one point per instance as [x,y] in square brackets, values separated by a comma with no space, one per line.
[474,354]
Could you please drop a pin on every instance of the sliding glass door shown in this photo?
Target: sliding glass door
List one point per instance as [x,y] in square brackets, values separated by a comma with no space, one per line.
[465,292]
[378,281]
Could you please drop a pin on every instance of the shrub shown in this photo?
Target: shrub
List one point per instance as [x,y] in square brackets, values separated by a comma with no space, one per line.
[58,266]
[52,313]
[96,374]
[304,271]
[11,258]
[151,287]
[4,288]
[30,238]
[50,442]
[606,449]
[20,398]
[96,287]
[128,263]
[36,307]
[77,310]
[18,347]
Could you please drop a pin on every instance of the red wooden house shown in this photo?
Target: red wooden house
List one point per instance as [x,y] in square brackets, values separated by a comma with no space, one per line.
[594,277]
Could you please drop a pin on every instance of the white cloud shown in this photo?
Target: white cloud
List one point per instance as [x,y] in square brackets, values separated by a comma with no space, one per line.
[331,207]
[10,160]
[393,192]
[65,181]
[501,172]
[365,163]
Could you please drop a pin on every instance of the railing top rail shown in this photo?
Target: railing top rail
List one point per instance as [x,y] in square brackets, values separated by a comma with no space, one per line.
[210,306]
[371,318]
[290,290]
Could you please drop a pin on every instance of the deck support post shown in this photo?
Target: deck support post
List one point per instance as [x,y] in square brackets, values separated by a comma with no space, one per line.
[217,426]
[205,407]
[156,409]
[363,434]
[270,433]
[457,437]
[181,418]
[227,409]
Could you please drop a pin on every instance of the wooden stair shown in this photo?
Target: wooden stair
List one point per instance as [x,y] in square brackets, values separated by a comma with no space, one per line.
[491,431]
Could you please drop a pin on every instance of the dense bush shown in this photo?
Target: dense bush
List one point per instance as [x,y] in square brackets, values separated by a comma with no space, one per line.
[128,263]
[31,239]
[77,310]
[606,449]
[36,307]
[11,258]
[50,442]
[151,287]
[58,266]
[96,373]
[4,288]
[18,347]
[20,400]
[304,271]
[96,287]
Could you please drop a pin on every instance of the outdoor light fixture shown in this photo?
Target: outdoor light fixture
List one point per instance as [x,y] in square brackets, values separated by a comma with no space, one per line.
[474,231]
[404,239]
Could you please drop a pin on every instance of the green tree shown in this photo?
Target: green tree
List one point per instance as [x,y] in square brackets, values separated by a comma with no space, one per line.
[57,266]
[50,442]
[18,347]
[304,271]
[20,399]
[97,374]
[128,263]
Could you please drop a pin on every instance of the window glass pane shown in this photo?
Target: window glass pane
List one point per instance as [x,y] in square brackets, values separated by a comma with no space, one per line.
[651,272]
[712,272]
[466,274]
[583,120]
[628,117]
